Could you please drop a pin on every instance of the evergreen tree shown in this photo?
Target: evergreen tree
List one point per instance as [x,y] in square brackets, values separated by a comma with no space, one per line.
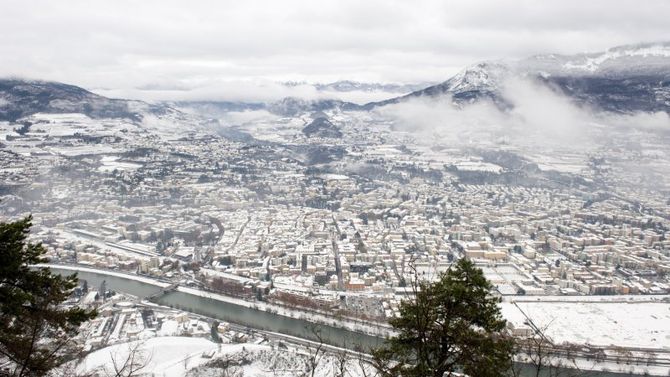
[452,326]
[34,329]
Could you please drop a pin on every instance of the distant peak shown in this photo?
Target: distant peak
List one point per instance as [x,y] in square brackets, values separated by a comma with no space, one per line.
[623,79]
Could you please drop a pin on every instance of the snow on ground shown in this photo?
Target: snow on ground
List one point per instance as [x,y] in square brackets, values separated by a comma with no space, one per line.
[185,356]
[479,166]
[370,328]
[334,177]
[624,324]
[138,278]
[580,299]
[169,327]
[261,361]
[163,356]
[111,163]
[360,326]
[69,124]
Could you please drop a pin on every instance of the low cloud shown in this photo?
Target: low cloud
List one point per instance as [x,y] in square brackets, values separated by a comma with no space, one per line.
[539,111]
[248,116]
[440,118]
[262,91]
[215,90]
[538,116]
[658,121]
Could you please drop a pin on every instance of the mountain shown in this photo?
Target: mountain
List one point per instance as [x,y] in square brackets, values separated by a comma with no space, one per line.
[291,106]
[21,98]
[622,79]
[351,86]
[344,86]
[322,127]
[215,109]
[333,96]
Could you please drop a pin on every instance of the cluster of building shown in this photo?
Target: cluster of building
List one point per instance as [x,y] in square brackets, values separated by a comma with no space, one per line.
[343,226]
[125,318]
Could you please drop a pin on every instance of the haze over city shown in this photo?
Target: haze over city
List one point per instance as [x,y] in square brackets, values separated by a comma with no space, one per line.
[279,188]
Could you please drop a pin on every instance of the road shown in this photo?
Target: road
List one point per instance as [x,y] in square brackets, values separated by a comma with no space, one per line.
[336,253]
[239,234]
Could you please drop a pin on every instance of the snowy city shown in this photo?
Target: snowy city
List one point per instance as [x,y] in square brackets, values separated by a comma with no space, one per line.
[284,236]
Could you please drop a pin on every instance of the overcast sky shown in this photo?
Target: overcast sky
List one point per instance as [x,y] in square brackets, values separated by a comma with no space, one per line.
[237,49]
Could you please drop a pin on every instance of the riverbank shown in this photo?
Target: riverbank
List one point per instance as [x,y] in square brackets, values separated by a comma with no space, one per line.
[291,322]
[366,327]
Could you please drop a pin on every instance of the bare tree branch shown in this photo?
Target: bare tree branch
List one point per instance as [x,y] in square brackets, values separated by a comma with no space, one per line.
[130,365]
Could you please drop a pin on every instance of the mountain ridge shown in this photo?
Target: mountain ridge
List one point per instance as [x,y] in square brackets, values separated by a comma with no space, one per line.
[23,98]
[621,79]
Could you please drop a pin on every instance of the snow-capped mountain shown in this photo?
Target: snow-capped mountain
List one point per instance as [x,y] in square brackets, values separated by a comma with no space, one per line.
[641,59]
[22,98]
[351,86]
[621,79]
[344,86]
[291,106]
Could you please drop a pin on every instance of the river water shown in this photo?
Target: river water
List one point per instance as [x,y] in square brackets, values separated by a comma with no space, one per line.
[230,312]
[250,317]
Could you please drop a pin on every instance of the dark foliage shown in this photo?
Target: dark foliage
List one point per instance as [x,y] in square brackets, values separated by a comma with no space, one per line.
[452,326]
[34,329]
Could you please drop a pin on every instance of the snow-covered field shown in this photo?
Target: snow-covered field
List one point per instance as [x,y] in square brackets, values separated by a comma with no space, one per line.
[623,324]
[162,356]
[111,163]
[184,356]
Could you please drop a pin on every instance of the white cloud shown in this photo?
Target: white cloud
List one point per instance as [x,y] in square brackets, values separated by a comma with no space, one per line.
[125,45]
[259,90]
[242,117]
[539,116]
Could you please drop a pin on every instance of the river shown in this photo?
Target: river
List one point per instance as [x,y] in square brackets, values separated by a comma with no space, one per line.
[230,312]
[251,317]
